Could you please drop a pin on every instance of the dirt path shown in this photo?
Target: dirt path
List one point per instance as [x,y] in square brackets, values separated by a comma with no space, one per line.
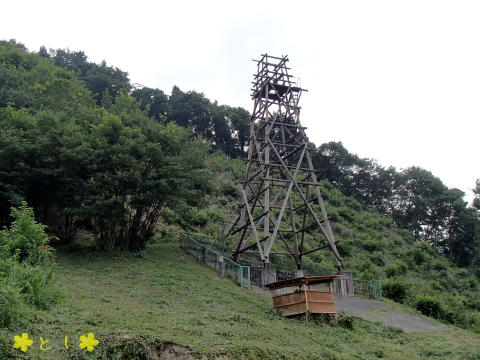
[387,314]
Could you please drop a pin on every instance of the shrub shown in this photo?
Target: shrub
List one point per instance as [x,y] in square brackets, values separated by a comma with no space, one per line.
[215,216]
[476,322]
[370,273]
[379,353]
[372,245]
[346,322]
[230,189]
[436,285]
[11,305]
[169,233]
[439,265]
[429,306]
[224,201]
[346,213]
[25,267]
[419,254]
[33,283]
[468,283]
[454,310]
[395,289]
[377,258]
[26,240]
[345,249]
[473,304]
[395,269]
[366,269]
[391,270]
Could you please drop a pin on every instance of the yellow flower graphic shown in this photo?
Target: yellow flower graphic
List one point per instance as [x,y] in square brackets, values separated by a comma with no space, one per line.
[88,342]
[22,342]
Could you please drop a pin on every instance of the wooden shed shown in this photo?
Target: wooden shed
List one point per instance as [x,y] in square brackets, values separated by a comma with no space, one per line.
[309,294]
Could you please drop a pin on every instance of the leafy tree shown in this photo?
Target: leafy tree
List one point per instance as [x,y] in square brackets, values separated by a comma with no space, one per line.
[43,52]
[14,89]
[476,199]
[239,119]
[222,132]
[102,77]
[192,110]
[98,78]
[463,241]
[17,148]
[146,168]
[419,204]
[362,179]
[15,54]
[226,127]
[154,101]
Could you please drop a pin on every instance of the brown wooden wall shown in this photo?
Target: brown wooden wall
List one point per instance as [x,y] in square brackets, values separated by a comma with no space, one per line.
[316,302]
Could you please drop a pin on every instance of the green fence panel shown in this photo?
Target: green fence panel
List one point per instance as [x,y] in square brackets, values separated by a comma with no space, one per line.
[370,288]
[239,273]
[375,289]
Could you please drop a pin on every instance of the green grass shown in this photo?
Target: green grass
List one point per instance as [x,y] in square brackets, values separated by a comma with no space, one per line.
[134,302]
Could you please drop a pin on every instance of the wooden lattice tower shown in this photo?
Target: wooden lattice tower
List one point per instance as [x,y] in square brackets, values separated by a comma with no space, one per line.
[281,200]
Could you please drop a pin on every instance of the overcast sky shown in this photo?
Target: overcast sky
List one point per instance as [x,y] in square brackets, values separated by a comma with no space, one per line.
[396,81]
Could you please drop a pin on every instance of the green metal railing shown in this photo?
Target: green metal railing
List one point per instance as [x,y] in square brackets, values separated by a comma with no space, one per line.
[370,288]
[192,244]
[238,273]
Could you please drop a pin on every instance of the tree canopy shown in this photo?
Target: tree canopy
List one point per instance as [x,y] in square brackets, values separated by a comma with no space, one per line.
[88,151]
[111,170]
[414,198]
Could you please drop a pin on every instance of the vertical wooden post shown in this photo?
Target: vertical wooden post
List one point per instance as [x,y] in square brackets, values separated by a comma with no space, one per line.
[306,301]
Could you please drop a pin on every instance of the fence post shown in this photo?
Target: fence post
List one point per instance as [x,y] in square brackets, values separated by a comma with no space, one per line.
[221,262]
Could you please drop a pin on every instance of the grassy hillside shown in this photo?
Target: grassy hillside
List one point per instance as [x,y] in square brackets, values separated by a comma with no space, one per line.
[371,245]
[136,303]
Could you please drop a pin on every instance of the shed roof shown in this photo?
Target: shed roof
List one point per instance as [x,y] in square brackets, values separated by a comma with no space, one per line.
[303,281]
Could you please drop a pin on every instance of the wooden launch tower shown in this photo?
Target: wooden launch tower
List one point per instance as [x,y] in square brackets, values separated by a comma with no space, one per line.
[280,195]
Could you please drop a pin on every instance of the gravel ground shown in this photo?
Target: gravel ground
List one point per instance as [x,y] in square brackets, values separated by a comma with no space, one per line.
[375,310]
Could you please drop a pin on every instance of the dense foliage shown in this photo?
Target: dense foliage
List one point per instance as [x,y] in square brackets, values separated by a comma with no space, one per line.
[414,198]
[25,267]
[226,127]
[108,170]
